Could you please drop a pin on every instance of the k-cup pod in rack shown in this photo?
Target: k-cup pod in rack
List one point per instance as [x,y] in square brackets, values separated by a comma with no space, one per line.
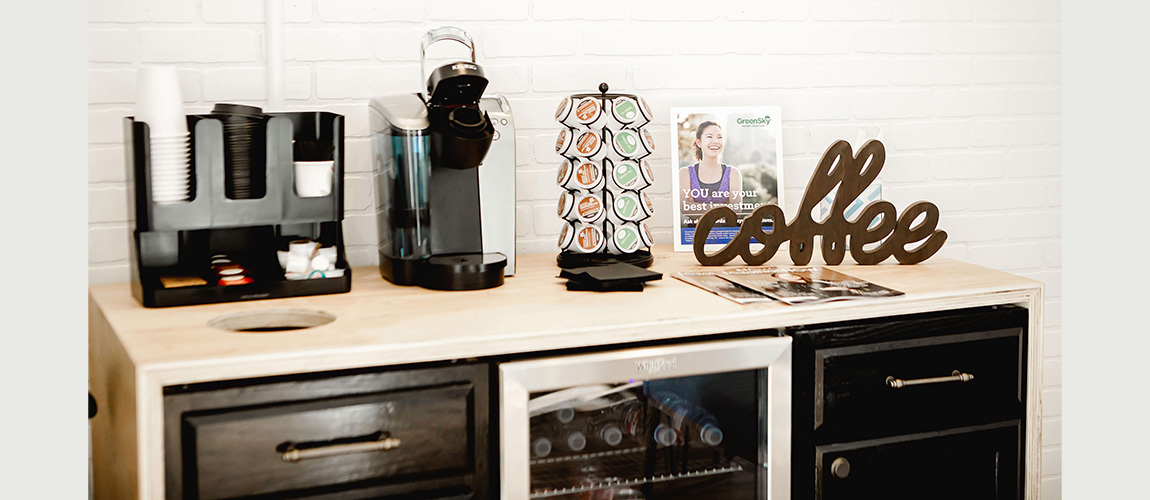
[626,207]
[581,238]
[625,111]
[646,205]
[627,175]
[629,144]
[579,112]
[565,142]
[582,206]
[590,144]
[628,237]
[580,174]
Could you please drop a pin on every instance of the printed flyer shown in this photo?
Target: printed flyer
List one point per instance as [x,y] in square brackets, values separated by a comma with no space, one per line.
[723,156]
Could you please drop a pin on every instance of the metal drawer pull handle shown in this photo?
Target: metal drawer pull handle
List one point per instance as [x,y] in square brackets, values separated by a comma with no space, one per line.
[955,376]
[294,455]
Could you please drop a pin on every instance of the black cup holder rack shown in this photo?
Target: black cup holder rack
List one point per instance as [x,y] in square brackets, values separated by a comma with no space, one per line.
[174,242]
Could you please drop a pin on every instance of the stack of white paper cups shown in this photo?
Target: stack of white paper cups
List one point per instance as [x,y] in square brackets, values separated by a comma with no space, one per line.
[159,104]
[603,173]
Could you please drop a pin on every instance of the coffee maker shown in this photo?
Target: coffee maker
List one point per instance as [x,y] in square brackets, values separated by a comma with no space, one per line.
[444,177]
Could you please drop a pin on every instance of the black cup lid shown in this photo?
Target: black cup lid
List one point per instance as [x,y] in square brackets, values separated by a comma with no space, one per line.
[223,108]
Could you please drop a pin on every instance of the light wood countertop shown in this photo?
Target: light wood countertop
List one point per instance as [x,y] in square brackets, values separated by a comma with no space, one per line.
[378,323]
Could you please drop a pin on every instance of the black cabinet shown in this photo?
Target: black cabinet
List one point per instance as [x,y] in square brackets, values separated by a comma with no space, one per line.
[918,406]
[343,435]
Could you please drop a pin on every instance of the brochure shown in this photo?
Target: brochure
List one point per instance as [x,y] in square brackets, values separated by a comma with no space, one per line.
[728,156]
[789,285]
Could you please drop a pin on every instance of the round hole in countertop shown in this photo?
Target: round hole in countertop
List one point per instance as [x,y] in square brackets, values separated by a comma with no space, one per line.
[271,320]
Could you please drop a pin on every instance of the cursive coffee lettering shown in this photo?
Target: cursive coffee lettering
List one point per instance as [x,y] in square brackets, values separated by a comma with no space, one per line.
[852,173]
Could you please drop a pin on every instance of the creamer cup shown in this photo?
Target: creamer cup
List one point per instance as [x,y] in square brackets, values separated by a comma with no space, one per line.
[589,145]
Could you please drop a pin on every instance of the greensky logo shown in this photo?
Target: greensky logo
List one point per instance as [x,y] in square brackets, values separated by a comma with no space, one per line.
[765,120]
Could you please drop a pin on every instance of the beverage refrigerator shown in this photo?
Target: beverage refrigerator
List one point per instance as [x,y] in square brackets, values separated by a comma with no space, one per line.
[695,420]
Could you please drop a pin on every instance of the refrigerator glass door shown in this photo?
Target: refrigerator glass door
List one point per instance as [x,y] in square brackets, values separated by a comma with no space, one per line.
[701,420]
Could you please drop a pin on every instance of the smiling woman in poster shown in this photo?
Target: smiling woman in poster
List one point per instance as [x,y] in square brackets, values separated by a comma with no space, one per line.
[710,181]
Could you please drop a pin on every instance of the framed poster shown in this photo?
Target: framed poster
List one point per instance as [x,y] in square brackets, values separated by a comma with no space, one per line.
[723,156]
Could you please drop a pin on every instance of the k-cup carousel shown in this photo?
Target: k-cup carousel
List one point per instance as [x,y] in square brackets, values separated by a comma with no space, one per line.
[604,175]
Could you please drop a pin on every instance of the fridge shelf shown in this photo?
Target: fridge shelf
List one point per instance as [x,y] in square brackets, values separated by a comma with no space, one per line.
[624,468]
[635,482]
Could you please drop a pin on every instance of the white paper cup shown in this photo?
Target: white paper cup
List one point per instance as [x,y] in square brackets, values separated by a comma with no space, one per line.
[303,248]
[313,178]
[297,263]
[158,101]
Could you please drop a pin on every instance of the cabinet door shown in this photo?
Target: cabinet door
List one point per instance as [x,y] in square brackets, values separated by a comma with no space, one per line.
[975,463]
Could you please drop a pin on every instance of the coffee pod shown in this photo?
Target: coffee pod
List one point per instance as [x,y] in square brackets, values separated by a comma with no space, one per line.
[566,206]
[566,236]
[566,112]
[581,238]
[628,144]
[647,172]
[648,141]
[589,144]
[647,206]
[645,114]
[589,208]
[625,110]
[588,238]
[627,175]
[626,207]
[580,174]
[645,234]
[238,279]
[588,110]
[625,238]
[565,142]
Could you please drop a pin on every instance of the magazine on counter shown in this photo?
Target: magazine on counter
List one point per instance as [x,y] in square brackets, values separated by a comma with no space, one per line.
[723,156]
[789,285]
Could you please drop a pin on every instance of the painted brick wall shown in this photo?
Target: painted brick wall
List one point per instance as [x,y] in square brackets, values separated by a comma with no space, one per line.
[965,94]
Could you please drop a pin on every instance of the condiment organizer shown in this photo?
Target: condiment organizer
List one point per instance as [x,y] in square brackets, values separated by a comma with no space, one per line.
[604,176]
[173,244]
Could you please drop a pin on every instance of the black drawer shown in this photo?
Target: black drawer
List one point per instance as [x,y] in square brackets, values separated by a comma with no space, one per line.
[346,435]
[916,385]
[975,463]
[322,443]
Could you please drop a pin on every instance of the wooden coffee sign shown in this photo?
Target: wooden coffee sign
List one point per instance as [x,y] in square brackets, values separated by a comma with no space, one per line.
[852,173]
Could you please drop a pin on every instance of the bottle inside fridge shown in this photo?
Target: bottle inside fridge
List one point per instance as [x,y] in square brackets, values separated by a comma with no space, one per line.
[685,437]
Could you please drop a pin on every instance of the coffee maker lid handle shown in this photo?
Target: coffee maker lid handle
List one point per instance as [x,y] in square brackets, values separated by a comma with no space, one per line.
[439,34]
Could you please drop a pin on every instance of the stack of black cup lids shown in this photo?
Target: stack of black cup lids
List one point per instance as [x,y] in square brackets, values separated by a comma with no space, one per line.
[243,134]
[603,172]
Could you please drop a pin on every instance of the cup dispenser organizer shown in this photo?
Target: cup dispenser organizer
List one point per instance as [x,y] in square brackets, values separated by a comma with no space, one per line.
[604,175]
[177,246]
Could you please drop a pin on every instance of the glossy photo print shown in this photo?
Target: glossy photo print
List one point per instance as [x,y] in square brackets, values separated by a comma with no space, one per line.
[728,156]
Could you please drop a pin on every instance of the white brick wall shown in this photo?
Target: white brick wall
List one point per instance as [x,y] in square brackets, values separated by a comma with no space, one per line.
[964,93]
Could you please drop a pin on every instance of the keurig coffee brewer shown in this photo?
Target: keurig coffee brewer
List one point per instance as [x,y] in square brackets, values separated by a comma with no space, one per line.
[444,170]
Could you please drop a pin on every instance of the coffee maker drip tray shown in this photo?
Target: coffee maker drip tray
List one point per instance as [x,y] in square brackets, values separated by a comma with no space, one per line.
[462,271]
